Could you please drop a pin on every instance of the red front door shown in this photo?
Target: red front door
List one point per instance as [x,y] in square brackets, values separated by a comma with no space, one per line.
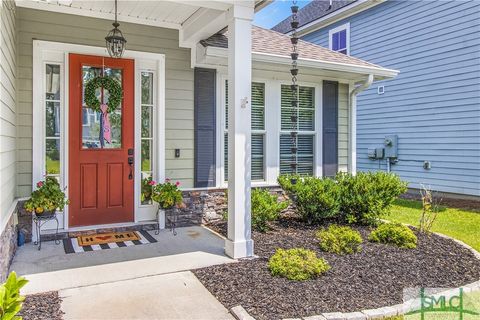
[100,177]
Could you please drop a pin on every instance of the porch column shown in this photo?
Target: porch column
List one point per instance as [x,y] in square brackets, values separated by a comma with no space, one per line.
[239,243]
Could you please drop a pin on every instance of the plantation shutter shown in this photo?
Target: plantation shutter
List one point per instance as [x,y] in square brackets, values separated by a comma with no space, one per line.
[204,126]
[306,130]
[257,137]
[330,128]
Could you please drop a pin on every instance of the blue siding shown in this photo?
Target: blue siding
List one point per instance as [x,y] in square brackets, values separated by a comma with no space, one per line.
[434,104]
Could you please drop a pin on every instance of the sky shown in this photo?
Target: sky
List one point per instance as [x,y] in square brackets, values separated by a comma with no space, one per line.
[276,12]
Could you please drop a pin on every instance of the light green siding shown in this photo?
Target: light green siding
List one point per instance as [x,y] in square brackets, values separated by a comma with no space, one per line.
[343,127]
[49,26]
[8,112]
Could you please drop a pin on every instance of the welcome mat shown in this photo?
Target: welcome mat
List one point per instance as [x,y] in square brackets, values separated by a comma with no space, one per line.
[103,241]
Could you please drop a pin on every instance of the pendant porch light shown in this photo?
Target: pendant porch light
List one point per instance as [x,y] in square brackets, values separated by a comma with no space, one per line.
[115,41]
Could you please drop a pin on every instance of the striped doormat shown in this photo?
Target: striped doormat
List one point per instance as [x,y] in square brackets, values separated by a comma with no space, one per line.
[71,244]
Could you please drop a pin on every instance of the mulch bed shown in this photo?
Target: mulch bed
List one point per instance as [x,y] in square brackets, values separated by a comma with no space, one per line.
[372,278]
[42,306]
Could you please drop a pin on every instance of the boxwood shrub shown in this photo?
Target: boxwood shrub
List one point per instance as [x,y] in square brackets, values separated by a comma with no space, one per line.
[297,264]
[265,208]
[394,233]
[316,199]
[339,239]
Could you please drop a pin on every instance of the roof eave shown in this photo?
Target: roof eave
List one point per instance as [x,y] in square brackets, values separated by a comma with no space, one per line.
[379,73]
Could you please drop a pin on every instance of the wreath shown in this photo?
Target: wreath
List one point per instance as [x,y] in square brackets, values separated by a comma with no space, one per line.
[108,83]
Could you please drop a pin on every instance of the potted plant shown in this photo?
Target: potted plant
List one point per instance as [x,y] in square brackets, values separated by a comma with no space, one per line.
[167,195]
[47,198]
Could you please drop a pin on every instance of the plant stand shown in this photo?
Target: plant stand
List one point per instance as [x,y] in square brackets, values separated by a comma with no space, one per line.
[162,217]
[39,221]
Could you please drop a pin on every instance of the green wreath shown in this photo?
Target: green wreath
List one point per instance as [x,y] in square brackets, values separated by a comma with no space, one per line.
[108,83]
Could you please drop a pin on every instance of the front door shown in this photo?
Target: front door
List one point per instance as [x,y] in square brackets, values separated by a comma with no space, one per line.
[101,180]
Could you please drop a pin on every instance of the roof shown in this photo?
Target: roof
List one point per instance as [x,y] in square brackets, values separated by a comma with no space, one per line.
[311,12]
[270,42]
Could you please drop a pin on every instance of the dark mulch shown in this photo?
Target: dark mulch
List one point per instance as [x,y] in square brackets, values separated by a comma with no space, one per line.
[42,306]
[373,278]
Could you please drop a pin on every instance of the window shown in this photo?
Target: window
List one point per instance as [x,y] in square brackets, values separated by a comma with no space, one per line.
[305,129]
[52,120]
[146,137]
[340,39]
[258,132]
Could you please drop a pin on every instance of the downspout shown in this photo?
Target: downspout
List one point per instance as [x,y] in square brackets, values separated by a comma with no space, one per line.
[353,121]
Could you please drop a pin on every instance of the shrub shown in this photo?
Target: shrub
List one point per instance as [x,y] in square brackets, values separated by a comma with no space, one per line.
[265,208]
[340,240]
[10,298]
[315,198]
[396,234]
[367,196]
[297,264]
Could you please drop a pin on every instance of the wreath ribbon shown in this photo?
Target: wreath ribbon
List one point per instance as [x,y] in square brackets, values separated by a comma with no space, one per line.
[105,128]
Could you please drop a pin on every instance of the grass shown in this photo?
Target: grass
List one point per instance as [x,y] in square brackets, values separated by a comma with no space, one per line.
[461,224]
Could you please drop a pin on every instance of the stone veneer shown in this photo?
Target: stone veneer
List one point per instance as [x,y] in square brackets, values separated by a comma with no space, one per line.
[8,246]
[201,206]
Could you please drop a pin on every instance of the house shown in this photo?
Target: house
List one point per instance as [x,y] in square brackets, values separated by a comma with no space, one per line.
[173,122]
[433,106]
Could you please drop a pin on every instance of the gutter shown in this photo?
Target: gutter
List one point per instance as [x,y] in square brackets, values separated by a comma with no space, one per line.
[363,86]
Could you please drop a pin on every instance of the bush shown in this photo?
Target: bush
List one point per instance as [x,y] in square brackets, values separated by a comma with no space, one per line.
[315,198]
[396,234]
[367,196]
[10,298]
[297,264]
[265,208]
[340,240]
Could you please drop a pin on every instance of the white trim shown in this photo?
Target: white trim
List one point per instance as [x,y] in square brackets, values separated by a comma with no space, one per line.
[57,53]
[331,32]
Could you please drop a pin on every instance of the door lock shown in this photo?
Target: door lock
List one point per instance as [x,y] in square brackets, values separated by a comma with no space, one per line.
[130,164]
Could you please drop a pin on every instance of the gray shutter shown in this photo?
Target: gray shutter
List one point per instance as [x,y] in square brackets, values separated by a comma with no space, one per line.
[330,128]
[205,127]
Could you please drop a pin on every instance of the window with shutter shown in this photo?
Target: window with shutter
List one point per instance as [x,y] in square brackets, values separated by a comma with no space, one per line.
[258,132]
[305,129]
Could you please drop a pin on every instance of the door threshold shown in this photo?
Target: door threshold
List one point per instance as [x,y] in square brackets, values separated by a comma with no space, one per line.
[110,226]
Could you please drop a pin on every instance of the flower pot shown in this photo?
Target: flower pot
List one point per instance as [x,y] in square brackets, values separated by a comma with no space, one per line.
[45,214]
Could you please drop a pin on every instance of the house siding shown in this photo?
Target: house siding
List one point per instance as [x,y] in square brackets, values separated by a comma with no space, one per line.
[8,113]
[49,26]
[434,103]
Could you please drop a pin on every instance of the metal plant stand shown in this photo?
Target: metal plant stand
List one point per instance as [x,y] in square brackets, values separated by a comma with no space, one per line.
[39,221]
[171,219]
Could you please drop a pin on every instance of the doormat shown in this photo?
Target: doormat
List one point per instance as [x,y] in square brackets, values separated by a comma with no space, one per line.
[103,241]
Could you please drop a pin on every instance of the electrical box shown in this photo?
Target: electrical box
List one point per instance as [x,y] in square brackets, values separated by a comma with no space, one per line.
[375,153]
[391,146]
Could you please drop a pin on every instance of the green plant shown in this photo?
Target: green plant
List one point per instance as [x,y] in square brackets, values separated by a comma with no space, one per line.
[48,197]
[265,208]
[167,194]
[394,233]
[297,264]
[147,185]
[430,209]
[339,239]
[315,198]
[367,196]
[10,298]
[115,93]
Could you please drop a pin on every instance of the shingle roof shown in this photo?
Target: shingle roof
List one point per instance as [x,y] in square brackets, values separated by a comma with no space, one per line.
[311,12]
[275,43]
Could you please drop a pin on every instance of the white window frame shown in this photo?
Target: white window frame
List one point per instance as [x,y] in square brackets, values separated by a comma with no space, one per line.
[331,32]
[47,52]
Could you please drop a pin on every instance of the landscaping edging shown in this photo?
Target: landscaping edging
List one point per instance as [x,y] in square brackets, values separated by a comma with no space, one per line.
[380,313]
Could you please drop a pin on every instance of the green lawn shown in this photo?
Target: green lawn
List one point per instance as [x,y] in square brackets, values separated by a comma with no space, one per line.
[461,224]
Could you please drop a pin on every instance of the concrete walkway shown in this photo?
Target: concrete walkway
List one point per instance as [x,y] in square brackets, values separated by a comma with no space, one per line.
[170,296]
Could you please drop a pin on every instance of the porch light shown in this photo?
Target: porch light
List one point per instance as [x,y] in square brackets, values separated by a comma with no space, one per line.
[114,41]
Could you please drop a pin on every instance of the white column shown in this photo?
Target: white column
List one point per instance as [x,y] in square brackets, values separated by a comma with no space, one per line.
[239,243]
[352,148]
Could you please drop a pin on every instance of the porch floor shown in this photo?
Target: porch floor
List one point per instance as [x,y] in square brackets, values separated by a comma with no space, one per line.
[52,269]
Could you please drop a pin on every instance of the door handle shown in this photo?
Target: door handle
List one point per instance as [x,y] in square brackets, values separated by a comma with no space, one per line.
[130,164]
